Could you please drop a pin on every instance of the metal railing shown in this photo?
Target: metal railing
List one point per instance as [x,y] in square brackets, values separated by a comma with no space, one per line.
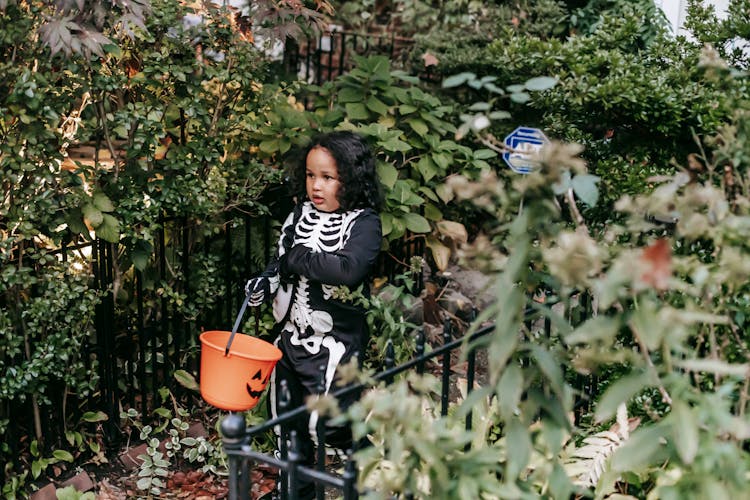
[322,58]
[237,438]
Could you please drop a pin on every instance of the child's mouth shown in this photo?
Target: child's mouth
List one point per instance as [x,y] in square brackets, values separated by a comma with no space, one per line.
[317,200]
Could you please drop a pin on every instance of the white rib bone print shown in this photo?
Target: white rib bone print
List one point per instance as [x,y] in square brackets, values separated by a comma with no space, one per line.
[321,232]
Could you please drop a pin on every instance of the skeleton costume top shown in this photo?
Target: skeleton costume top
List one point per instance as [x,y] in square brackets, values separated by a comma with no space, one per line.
[317,253]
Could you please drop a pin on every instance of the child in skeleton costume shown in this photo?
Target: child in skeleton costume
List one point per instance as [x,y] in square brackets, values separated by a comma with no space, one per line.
[331,239]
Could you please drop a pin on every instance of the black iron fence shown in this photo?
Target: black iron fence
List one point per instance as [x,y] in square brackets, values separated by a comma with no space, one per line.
[237,438]
[322,58]
[191,282]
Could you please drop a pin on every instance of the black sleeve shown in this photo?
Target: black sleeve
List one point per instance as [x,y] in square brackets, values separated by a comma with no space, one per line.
[348,266]
[285,242]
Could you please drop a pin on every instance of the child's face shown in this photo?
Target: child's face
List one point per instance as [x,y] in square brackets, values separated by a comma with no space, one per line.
[322,180]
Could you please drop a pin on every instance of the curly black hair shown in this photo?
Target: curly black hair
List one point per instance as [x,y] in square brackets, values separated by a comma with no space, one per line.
[360,187]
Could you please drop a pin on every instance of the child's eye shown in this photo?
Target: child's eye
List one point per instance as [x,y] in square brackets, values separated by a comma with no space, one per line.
[310,175]
[328,177]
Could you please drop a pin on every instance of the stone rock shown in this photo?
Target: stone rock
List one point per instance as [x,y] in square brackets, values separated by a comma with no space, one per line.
[46,493]
[457,304]
[129,458]
[475,285]
[81,482]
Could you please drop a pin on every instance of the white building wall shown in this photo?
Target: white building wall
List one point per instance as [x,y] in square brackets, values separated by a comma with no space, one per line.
[676,11]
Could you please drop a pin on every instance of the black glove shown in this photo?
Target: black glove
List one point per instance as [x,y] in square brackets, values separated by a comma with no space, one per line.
[292,262]
[259,289]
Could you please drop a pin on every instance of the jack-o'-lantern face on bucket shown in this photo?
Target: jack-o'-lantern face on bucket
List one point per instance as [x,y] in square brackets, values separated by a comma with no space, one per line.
[258,383]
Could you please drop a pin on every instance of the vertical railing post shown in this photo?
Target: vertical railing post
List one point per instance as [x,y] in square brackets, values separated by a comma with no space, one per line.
[233,433]
[293,461]
[156,383]
[419,350]
[390,361]
[284,400]
[446,378]
[320,432]
[350,478]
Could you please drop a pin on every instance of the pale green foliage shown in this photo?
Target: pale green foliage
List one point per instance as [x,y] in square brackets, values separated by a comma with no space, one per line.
[669,308]
[169,445]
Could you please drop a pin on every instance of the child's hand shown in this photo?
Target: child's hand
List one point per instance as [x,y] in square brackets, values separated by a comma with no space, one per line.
[258,289]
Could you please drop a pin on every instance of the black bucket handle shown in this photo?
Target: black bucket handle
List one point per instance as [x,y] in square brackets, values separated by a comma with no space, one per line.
[237,323]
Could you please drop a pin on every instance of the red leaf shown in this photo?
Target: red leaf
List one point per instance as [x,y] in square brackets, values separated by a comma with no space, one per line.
[429,60]
[656,265]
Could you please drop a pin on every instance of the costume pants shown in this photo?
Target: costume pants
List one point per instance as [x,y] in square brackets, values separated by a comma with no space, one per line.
[300,388]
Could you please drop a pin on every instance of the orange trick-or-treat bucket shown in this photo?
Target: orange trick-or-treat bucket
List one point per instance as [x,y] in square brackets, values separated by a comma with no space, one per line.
[234,378]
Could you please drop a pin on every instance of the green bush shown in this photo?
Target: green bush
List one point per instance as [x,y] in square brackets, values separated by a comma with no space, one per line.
[632,94]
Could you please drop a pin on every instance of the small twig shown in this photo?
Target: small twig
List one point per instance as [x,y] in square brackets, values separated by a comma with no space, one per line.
[577,217]
[744,397]
[110,146]
[220,103]
[493,146]
[714,350]
[644,351]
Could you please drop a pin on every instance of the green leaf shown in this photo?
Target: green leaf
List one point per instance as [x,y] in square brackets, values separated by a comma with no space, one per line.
[386,220]
[519,449]
[406,109]
[620,392]
[714,366]
[62,455]
[559,483]
[563,184]
[520,97]
[418,126]
[396,145]
[269,146]
[480,106]
[143,483]
[639,450]
[483,154]
[377,106]
[433,213]
[103,203]
[357,111]
[584,186]
[509,390]
[141,254]
[404,76]
[600,328]
[684,431]
[163,412]
[93,214]
[94,416]
[109,229]
[550,367]
[186,380]
[429,193]
[387,173]
[74,218]
[540,83]
[427,168]
[499,115]
[350,94]
[459,79]
[416,223]
[445,193]
[36,468]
